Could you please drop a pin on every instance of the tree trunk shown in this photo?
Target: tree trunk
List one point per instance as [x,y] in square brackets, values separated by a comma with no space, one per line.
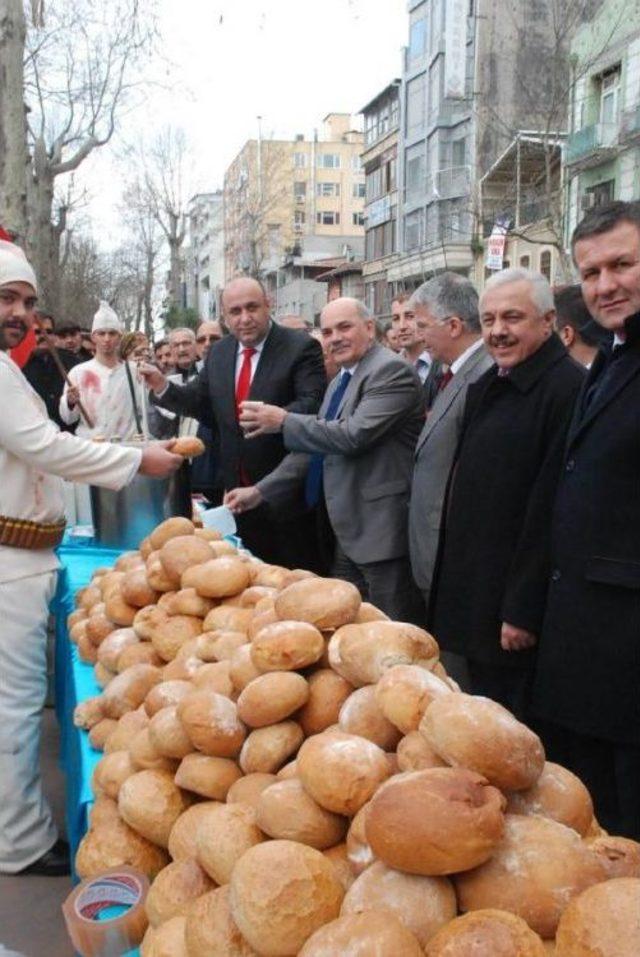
[43,235]
[175,299]
[13,143]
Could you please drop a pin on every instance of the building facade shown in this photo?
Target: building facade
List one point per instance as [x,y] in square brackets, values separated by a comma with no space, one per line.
[380,164]
[291,203]
[602,157]
[204,254]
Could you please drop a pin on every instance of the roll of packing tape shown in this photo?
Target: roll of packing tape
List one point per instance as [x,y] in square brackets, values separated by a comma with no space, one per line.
[105,915]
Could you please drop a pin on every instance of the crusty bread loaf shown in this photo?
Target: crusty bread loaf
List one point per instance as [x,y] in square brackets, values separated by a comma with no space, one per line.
[620,856]
[286,646]
[476,733]
[435,822]
[363,653]
[557,794]
[341,771]
[359,851]
[272,697]
[212,723]
[218,577]
[151,803]
[210,929]
[415,754]
[174,887]
[281,892]
[267,749]
[538,867]
[285,811]
[378,933]
[224,834]
[496,933]
[190,446]
[404,693]
[361,714]
[114,843]
[603,921]
[170,528]
[167,940]
[207,776]
[323,602]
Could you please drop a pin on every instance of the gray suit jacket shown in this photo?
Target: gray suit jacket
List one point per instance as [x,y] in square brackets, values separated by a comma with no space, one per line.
[433,459]
[368,453]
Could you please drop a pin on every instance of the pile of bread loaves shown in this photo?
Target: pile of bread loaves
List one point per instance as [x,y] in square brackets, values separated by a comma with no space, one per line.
[298,775]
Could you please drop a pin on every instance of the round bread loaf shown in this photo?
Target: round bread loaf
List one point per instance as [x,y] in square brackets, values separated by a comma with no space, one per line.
[603,921]
[422,904]
[168,735]
[168,637]
[113,844]
[288,771]
[126,729]
[285,811]
[361,714]
[119,611]
[495,933]
[103,675]
[368,612]
[252,595]
[359,852]
[538,867]
[363,653]
[141,653]
[170,528]
[271,698]
[189,446]
[207,776]
[145,755]
[167,940]
[110,773]
[405,692]
[248,789]
[414,754]
[620,856]
[557,794]
[147,619]
[87,651]
[215,676]
[286,646]
[179,883]
[88,713]
[281,892]
[128,690]
[187,601]
[218,577]
[241,668]
[220,645]
[210,929]
[212,723]
[165,694]
[224,834]
[327,693]
[476,733]
[151,803]
[97,627]
[340,862]
[261,616]
[183,840]
[377,933]
[136,589]
[100,732]
[341,771]
[267,749]
[323,602]
[114,644]
[157,576]
[228,618]
[434,822]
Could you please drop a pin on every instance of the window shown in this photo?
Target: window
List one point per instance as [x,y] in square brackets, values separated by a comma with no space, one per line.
[392,175]
[600,194]
[327,189]
[545,264]
[373,188]
[329,160]
[610,96]
[525,262]
[357,219]
[300,189]
[413,229]
[459,152]
[414,171]
[394,117]
[415,104]
[417,40]
[434,86]
[358,190]
[356,162]
[299,217]
[299,160]
[328,219]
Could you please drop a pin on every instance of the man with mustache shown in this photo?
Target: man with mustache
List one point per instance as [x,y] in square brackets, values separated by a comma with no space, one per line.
[493,569]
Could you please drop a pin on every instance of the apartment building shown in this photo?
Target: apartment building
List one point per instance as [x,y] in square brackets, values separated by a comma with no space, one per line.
[204,254]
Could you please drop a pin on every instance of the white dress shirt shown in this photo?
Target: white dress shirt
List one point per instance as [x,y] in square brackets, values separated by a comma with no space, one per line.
[255,358]
[460,361]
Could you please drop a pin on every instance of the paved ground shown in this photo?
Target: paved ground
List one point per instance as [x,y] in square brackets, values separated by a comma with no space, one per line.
[31,921]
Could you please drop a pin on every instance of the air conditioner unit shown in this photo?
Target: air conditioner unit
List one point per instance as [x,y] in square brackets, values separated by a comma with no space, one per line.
[588,201]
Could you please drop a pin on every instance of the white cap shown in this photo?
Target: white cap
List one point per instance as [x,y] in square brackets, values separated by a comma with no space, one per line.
[105,318]
[14,266]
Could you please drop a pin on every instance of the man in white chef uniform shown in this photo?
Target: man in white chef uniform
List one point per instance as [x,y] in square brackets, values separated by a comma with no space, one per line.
[34,458]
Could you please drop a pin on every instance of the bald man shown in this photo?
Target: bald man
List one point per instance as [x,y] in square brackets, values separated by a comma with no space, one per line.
[265,362]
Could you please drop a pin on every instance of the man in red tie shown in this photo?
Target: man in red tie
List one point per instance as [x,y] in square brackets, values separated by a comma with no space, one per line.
[267,363]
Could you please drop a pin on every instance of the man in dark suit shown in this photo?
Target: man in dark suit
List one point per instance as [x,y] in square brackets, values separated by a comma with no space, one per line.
[264,362]
[587,685]
[447,306]
[42,372]
[493,567]
[356,456]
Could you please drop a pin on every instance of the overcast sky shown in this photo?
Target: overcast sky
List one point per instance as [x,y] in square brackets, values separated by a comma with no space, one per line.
[229,61]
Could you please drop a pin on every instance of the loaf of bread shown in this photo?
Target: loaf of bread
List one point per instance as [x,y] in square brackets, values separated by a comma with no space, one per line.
[496,933]
[603,921]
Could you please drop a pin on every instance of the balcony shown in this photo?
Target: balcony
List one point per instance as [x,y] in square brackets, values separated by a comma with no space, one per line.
[592,145]
[451,183]
[630,125]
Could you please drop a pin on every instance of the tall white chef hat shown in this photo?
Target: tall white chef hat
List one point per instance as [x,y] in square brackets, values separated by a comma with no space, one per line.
[14,266]
[105,318]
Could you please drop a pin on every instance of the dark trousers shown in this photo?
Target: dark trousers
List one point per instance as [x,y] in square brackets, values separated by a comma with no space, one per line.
[610,771]
[291,544]
[387,585]
[508,686]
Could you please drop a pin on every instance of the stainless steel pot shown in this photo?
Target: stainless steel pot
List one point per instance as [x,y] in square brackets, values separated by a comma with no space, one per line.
[122,519]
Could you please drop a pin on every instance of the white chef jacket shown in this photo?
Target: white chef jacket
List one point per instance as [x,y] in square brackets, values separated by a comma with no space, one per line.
[34,458]
[105,394]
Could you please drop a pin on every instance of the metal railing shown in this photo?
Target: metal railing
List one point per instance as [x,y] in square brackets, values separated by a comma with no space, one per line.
[590,139]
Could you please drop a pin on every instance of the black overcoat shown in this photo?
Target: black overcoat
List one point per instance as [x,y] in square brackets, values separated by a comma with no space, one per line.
[493,564]
[588,670]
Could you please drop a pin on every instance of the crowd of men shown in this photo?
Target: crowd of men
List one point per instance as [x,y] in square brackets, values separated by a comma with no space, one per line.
[474,468]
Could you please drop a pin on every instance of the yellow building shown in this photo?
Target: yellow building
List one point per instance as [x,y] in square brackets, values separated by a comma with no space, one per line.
[294,198]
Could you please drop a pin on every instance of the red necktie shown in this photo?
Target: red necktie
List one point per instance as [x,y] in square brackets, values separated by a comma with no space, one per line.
[243,384]
[445,380]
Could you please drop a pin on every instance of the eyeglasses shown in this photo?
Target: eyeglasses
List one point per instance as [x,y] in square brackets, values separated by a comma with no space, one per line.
[212,338]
